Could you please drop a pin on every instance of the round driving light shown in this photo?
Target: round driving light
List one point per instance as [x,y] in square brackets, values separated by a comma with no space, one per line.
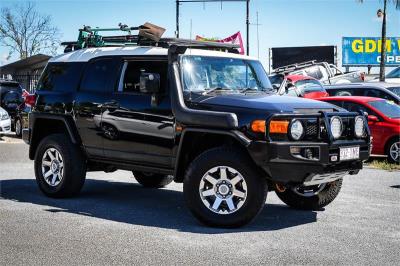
[359,126]
[296,130]
[336,127]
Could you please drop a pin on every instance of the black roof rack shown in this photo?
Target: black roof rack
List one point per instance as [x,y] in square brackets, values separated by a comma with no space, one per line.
[148,35]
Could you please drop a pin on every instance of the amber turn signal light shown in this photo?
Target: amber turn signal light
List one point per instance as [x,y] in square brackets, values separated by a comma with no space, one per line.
[278,126]
[258,126]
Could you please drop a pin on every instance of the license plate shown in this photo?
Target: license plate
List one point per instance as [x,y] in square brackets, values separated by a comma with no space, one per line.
[349,153]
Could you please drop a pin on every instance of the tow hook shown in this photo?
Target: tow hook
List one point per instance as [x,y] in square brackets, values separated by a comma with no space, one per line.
[280,188]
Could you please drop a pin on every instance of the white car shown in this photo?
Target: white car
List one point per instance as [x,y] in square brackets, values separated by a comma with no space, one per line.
[5,122]
[392,77]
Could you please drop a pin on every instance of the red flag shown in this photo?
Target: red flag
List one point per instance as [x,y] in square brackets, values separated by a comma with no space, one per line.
[234,39]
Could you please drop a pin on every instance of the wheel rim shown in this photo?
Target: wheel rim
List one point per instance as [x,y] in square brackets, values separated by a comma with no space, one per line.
[223,190]
[395,151]
[308,191]
[18,127]
[52,167]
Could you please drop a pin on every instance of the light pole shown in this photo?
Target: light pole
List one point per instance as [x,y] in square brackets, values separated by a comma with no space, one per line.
[382,14]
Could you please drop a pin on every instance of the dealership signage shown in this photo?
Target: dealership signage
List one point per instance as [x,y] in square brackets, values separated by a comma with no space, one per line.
[366,51]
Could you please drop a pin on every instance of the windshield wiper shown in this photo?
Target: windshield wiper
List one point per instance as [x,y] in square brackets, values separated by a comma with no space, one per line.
[215,89]
[254,90]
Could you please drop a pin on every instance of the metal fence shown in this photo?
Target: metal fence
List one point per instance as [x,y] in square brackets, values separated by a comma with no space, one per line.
[28,82]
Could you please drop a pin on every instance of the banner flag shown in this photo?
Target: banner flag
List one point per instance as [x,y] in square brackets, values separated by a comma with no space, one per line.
[234,39]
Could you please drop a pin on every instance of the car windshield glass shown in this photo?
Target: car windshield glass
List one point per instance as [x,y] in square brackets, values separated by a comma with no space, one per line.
[218,74]
[394,73]
[395,90]
[309,85]
[388,108]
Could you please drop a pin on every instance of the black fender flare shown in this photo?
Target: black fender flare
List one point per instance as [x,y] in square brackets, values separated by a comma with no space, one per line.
[235,134]
[66,120]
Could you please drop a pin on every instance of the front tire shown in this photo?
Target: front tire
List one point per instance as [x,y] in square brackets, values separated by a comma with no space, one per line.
[150,180]
[393,151]
[309,198]
[60,167]
[222,188]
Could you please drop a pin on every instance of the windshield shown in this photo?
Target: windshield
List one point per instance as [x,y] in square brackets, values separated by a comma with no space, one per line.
[395,90]
[395,73]
[202,74]
[309,85]
[388,108]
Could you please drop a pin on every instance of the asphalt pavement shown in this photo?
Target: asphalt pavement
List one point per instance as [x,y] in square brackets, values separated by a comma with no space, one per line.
[115,221]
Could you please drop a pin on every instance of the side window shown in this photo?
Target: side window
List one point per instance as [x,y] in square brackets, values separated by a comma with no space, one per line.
[62,77]
[130,76]
[371,93]
[97,76]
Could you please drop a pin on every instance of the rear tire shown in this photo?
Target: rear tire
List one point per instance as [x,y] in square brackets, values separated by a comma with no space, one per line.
[18,128]
[393,151]
[150,180]
[310,201]
[222,188]
[60,167]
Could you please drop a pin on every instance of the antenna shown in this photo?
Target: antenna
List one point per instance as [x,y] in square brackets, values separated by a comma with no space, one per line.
[179,2]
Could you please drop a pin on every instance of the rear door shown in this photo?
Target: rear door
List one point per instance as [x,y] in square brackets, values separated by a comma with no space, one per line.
[95,92]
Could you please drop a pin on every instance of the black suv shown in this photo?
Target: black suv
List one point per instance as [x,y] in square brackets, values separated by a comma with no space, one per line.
[187,113]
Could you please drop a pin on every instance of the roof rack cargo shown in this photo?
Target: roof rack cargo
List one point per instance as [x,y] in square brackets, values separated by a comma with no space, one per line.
[148,35]
[292,67]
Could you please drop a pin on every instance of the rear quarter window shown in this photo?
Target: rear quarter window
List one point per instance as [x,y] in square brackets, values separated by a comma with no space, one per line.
[62,77]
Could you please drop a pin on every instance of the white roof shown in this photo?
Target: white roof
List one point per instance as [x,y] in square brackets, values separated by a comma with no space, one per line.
[85,55]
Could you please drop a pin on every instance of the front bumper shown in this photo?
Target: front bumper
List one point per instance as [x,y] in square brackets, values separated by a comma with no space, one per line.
[276,159]
[5,126]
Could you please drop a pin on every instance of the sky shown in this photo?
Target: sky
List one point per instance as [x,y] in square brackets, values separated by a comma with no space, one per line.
[283,22]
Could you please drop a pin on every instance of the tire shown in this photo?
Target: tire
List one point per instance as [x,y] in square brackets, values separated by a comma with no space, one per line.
[252,188]
[150,180]
[18,127]
[391,148]
[314,201]
[69,178]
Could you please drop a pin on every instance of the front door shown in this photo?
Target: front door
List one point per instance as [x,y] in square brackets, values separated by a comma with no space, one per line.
[134,129]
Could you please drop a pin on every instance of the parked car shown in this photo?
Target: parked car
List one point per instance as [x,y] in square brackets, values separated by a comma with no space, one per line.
[207,118]
[383,121]
[302,86]
[392,77]
[5,122]
[21,119]
[322,71]
[388,91]
[10,98]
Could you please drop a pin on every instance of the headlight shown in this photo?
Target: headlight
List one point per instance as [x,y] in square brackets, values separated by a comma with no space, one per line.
[336,127]
[296,129]
[359,126]
[3,116]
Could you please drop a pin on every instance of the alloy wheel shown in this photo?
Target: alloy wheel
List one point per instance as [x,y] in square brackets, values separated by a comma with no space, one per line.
[52,167]
[395,151]
[223,190]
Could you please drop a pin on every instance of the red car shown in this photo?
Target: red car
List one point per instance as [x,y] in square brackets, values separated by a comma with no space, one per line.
[383,121]
[302,86]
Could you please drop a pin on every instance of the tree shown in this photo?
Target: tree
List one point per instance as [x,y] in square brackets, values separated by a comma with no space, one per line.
[27,32]
[383,38]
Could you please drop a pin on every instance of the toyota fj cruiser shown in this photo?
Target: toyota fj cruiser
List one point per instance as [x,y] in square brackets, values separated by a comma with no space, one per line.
[191,112]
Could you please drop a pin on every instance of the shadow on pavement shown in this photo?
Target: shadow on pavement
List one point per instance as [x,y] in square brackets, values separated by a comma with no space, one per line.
[132,204]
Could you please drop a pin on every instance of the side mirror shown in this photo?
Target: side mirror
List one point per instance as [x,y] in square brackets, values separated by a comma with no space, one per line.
[373,118]
[150,83]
